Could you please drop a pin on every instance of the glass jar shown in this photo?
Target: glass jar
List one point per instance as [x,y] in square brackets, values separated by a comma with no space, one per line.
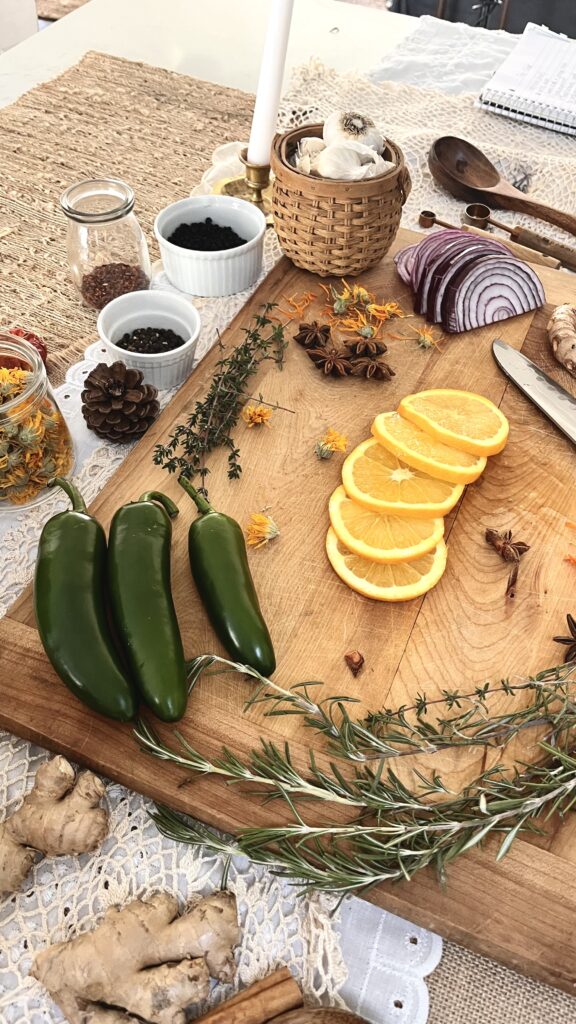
[107,250]
[35,444]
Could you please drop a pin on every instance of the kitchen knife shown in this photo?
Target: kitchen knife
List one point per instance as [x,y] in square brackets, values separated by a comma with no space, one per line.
[548,396]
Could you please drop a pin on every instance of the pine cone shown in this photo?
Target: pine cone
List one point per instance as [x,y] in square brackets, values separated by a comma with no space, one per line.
[116,404]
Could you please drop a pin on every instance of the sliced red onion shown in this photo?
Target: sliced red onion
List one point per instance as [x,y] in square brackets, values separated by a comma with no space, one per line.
[446,268]
[404,260]
[435,242]
[489,289]
[457,248]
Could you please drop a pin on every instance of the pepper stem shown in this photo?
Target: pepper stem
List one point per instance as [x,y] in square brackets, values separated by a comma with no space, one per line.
[199,500]
[78,503]
[167,504]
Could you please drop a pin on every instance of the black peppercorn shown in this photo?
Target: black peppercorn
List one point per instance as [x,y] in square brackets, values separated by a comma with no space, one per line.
[150,340]
[205,236]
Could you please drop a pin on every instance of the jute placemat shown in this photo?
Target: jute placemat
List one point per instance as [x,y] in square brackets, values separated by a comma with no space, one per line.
[469,989]
[105,116]
[53,10]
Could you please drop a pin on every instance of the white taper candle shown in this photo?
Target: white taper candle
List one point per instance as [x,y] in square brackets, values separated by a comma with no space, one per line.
[270,82]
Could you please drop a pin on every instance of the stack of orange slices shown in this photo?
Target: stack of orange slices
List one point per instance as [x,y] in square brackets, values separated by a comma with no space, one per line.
[387,527]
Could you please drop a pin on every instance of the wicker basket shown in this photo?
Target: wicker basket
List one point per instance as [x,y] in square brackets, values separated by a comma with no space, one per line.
[337,228]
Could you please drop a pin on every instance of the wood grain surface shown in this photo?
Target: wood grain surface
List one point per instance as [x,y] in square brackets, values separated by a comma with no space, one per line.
[465,631]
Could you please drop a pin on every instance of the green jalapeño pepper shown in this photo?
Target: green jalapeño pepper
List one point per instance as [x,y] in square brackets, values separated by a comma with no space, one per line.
[142,605]
[70,605]
[219,564]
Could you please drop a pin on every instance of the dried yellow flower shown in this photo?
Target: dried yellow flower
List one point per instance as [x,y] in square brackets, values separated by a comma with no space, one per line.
[425,337]
[256,415]
[261,529]
[330,443]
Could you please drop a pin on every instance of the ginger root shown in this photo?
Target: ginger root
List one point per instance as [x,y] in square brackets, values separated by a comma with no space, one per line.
[59,816]
[138,964]
[562,334]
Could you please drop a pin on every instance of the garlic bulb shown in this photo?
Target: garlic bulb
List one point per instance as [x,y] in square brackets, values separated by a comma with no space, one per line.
[352,127]
[349,161]
[338,161]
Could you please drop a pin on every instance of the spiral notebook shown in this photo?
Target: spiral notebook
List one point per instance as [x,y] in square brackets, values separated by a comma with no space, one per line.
[537,82]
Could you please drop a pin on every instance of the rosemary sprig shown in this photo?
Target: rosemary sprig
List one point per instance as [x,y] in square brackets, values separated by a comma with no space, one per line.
[353,857]
[210,423]
[394,831]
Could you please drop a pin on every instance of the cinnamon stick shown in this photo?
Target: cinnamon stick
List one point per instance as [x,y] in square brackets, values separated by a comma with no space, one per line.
[258,1003]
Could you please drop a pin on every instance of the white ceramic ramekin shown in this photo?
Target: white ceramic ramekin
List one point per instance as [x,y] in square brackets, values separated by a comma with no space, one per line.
[225,271]
[152,309]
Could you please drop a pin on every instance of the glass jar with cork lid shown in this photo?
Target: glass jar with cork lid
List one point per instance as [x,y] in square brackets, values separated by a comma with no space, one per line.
[107,251]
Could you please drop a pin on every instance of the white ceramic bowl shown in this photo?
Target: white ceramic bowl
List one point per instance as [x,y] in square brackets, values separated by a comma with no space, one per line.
[224,271]
[152,309]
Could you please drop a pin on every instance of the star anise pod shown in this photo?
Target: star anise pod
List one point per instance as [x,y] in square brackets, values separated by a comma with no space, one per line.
[366,347]
[372,367]
[509,550]
[569,641]
[330,361]
[313,335]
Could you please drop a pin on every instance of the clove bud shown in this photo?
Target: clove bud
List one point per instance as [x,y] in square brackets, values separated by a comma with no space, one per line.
[355,661]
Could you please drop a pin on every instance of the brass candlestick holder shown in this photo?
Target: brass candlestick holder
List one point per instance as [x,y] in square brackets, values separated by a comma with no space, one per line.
[254,186]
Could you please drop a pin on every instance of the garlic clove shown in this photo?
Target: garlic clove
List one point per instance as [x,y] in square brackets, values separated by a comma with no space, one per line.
[304,164]
[310,146]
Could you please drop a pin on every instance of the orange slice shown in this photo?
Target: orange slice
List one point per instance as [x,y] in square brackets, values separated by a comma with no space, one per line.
[378,480]
[400,581]
[381,537]
[460,419]
[419,450]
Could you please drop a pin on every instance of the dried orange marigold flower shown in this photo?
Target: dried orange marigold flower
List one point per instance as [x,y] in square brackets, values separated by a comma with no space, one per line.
[330,443]
[261,529]
[256,415]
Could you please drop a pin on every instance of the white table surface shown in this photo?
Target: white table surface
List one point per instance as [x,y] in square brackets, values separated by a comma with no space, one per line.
[217,40]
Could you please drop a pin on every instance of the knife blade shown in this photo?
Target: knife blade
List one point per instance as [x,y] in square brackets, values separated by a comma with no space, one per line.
[548,396]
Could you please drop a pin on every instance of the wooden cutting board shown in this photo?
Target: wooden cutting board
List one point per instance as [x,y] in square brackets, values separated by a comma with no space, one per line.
[521,911]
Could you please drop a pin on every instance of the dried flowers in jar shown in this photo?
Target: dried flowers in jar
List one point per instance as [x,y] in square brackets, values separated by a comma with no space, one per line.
[35,444]
[107,250]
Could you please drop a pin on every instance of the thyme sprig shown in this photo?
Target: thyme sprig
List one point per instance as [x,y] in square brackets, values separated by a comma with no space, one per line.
[212,420]
[394,831]
[410,729]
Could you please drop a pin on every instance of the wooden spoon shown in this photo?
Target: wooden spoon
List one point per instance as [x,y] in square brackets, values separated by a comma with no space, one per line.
[465,172]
